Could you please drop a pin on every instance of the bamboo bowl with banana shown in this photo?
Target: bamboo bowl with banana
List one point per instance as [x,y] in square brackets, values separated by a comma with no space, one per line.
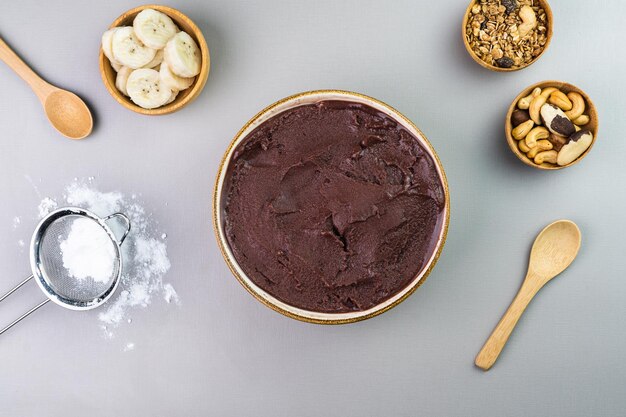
[551,125]
[184,87]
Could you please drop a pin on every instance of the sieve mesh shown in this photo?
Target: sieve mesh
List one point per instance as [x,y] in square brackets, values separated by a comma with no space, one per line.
[57,276]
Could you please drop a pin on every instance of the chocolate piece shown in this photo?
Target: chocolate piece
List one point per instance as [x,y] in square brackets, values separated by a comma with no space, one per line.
[557,141]
[519,116]
[504,62]
[332,207]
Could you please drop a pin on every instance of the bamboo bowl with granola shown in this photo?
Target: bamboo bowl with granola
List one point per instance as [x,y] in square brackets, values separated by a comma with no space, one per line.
[507,35]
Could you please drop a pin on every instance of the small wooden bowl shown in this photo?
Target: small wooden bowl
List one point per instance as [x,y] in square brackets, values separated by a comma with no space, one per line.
[542,3]
[590,110]
[218,203]
[184,97]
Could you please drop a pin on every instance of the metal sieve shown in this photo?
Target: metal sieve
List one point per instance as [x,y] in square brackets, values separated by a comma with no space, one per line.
[54,278]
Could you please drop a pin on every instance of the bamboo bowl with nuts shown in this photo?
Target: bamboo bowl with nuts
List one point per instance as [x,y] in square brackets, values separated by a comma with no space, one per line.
[589,116]
[184,97]
[548,34]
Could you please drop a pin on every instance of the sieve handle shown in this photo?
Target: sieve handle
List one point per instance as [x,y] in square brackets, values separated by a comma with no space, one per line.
[17,287]
[28,313]
[126,220]
[23,316]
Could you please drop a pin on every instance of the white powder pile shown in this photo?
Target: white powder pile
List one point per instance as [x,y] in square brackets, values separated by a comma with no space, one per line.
[170,295]
[46,206]
[144,254]
[88,251]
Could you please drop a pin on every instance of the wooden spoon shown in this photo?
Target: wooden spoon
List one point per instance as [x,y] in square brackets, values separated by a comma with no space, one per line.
[65,110]
[553,251]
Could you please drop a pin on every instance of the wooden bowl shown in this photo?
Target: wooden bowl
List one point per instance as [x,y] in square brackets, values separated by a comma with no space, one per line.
[542,3]
[263,296]
[590,110]
[185,96]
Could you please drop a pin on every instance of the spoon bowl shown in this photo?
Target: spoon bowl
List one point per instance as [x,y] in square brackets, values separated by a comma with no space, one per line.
[555,248]
[68,114]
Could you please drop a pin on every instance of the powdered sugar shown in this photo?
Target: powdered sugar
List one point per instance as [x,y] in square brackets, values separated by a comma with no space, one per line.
[88,251]
[46,206]
[170,294]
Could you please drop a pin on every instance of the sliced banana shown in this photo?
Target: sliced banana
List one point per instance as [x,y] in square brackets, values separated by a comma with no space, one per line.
[122,79]
[145,89]
[107,38]
[154,28]
[158,58]
[172,97]
[128,50]
[116,66]
[183,55]
[172,80]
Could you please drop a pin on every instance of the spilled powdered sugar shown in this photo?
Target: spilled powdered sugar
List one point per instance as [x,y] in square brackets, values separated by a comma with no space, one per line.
[144,253]
[46,206]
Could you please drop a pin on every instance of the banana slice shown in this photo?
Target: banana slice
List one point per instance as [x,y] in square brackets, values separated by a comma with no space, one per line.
[107,38]
[182,55]
[154,28]
[128,50]
[145,89]
[116,66]
[122,79]
[158,58]
[172,97]
[172,80]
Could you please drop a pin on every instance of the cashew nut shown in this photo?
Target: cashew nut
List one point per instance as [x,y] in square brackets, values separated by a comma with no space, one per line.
[578,106]
[536,134]
[524,103]
[522,130]
[546,156]
[535,107]
[522,146]
[529,19]
[542,145]
[581,120]
[549,90]
[558,98]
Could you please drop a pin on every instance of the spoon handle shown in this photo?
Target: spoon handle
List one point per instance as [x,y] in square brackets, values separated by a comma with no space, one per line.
[494,345]
[39,86]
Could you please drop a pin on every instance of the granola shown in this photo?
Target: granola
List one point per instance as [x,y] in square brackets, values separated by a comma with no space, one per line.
[507,39]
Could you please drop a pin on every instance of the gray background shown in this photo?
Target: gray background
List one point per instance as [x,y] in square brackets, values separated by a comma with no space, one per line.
[224,354]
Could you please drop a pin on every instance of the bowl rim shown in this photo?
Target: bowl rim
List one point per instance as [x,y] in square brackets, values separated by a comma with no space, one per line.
[196,88]
[590,110]
[267,299]
[546,7]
